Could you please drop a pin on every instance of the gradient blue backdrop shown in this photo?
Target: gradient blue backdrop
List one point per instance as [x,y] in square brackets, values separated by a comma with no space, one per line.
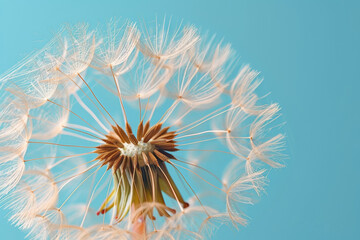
[308,52]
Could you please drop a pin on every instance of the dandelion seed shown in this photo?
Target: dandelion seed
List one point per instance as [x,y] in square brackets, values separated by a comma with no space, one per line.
[101,135]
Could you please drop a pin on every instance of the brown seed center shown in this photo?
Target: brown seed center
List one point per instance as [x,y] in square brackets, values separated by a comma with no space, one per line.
[122,149]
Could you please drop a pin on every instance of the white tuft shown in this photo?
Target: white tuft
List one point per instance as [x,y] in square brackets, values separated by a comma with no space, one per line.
[130,150]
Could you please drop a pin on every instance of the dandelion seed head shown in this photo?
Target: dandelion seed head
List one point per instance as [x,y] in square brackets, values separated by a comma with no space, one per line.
[122,134]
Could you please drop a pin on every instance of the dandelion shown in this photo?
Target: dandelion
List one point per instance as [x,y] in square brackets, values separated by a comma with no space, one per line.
[122,135]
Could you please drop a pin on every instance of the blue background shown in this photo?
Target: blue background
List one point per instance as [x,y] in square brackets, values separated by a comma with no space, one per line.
[308,52]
